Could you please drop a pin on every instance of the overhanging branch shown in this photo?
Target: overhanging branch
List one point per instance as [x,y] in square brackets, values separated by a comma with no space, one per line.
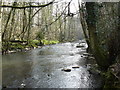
[23,7]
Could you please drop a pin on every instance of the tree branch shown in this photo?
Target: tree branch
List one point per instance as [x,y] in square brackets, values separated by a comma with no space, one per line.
[31,6]
[60,14]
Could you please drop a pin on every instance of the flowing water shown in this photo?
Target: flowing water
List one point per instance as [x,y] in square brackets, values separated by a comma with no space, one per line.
[42,68]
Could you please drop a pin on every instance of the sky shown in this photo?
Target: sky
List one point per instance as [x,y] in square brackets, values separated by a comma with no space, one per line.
[73,5]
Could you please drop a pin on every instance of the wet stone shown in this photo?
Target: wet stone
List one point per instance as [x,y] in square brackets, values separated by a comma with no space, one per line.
[23,85]
[76,67]
[84,56]
[87,54]
[66,70]
[91,58]
[79,46]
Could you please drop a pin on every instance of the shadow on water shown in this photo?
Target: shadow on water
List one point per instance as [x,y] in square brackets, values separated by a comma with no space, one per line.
[42,68]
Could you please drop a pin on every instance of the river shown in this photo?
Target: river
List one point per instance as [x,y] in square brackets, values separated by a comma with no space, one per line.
[43,68]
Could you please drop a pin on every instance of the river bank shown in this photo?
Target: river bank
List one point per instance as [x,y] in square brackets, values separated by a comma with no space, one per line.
[23,46]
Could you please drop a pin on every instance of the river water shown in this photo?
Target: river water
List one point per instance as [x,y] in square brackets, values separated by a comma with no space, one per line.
[42,68]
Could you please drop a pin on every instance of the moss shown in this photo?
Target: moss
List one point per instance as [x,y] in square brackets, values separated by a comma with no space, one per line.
[36,42]
[110,80]
[33,43]
[54,42]
[16,46]
[100,54]
[6,46]
[47,42]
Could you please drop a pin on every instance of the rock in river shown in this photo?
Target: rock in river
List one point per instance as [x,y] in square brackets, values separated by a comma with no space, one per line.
[66,70]
[87,54]
[23,85]
[75,67]
[79,46]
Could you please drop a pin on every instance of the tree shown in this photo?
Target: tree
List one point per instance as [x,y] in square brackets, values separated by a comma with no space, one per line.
[103,31]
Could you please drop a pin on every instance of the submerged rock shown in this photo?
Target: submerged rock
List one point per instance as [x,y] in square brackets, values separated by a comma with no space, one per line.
[66,70]
[71,54]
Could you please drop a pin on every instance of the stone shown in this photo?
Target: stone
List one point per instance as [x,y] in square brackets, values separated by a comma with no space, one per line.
[76,67]
[87,54]
[66,70]
[79,46]
[23,85]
